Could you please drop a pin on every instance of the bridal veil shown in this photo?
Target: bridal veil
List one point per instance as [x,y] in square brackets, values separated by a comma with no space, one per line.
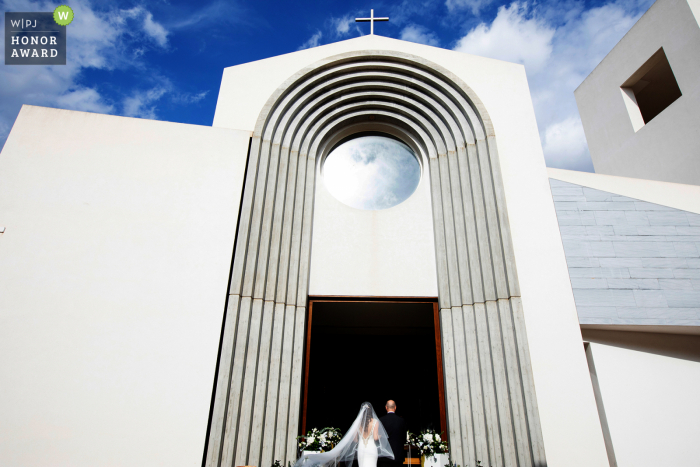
[344,452]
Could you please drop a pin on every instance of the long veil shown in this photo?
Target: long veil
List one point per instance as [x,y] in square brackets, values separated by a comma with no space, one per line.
[346,449]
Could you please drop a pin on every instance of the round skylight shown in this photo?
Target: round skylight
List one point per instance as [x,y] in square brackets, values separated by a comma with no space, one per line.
[371,172]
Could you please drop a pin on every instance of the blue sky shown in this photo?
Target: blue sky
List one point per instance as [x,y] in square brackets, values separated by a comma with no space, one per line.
[164,59]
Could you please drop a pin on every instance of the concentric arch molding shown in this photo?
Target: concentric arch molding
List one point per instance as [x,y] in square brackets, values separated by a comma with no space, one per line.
[490,398]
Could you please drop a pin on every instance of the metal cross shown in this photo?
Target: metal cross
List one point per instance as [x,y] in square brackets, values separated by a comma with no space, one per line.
[371,20]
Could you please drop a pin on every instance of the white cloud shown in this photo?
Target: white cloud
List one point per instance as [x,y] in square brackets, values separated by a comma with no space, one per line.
[215,12]
[514,36]
[91,44]
[190,98]
[334,28]
[473,5]
[419,34]
[144,19]
[139,103]
[559,45]
[313,41]
[155,30]
[564,141]
[86,99]
[102,40]
[342,25]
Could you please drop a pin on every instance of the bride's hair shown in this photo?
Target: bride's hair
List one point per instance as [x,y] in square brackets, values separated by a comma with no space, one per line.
[367,418]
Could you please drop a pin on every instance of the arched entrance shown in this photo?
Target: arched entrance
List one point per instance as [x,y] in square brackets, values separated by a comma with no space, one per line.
[489,393]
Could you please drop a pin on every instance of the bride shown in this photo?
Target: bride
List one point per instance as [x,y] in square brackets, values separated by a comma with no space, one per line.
[366,439]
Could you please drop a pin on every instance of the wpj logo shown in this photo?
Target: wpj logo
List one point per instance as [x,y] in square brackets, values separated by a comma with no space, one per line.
[37,38]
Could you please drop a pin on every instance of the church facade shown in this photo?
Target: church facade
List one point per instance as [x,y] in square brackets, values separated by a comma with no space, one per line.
[491,403]
[173,287]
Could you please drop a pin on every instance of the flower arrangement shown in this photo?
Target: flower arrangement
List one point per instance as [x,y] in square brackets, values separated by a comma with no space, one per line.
[319,440]
[428,443]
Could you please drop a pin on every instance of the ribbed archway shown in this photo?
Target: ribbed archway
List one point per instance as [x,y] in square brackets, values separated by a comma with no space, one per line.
[491,403]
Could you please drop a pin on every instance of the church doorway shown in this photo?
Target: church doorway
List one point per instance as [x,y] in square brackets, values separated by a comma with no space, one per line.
[360,349]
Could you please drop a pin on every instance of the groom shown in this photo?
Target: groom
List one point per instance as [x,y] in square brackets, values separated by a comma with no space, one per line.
[395,427]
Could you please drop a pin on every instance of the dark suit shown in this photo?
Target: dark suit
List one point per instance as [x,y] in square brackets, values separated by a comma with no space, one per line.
[395,427]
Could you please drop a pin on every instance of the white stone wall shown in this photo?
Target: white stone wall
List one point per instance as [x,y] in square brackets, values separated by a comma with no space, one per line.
[390,252]
[665,148]
[651,405]
[115,263]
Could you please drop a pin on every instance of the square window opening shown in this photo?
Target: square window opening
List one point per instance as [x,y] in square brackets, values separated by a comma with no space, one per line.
[650,90]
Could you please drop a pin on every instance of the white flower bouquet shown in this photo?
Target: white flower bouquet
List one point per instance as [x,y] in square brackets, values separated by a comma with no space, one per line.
[319,440]
[428,443]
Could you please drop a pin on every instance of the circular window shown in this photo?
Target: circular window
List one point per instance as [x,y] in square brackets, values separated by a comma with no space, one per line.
[371,172]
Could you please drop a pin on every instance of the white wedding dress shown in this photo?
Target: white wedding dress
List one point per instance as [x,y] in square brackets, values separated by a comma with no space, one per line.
[357,443]
[366,449]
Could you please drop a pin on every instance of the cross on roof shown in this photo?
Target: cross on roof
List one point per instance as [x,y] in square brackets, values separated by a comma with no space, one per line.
[371,20]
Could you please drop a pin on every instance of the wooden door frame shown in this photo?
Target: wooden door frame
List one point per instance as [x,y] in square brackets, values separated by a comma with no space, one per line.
[363,299]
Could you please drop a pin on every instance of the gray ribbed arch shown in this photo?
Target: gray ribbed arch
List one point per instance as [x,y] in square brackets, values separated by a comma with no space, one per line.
[490,399]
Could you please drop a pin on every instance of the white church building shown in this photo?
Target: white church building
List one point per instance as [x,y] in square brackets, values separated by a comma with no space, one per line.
[366,220]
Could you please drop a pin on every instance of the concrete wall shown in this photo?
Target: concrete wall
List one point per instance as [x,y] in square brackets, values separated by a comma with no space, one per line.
[570,426]
[115,264]
[673,195]
[390,252]
[666,147]
[631,262]
[650,401]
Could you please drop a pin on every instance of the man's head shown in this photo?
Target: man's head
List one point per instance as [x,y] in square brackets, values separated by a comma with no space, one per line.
[390,406]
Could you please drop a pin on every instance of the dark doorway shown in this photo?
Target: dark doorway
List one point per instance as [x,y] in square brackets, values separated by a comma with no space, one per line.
[373,350]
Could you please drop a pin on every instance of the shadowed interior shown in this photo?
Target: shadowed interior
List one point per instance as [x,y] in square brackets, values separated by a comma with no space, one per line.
[372,352]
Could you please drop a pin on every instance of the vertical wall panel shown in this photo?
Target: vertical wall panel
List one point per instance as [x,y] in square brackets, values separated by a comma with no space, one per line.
[295,383]
[245,413]
[470,226]
[460,229]
[500,384]
[260,396]
[472,388]
[222,390]
[528,383]
[283,406]
[273,386]
[439,235]
[514,382]
[469,416]
[454,426]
